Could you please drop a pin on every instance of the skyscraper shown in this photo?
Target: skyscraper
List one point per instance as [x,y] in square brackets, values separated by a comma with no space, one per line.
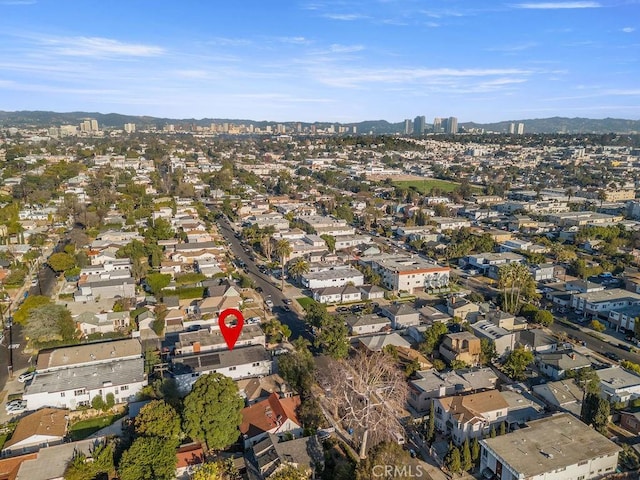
[452,125]
[129,127]
[512,128]
[408,126]
[419,124]
[520,129]
[437,125]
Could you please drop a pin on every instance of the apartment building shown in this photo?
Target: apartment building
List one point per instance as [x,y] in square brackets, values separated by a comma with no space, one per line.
[408,273]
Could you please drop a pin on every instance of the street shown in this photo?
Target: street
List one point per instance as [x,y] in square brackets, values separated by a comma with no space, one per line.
[269,290]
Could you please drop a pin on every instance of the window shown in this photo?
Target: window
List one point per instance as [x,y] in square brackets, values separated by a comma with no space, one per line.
[77,393]
[256,364]
[62,394]
[581,477]
[484,453]
[124,387]
[232,369]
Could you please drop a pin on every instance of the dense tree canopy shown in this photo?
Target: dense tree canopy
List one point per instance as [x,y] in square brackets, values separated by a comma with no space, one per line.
[212,411]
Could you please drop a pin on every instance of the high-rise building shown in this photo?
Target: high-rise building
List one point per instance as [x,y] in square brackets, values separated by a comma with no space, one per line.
[512,128]
[94,125]
[437,125]
[130,127]
[408,126]
[419,124]
[520,129]
[452,125]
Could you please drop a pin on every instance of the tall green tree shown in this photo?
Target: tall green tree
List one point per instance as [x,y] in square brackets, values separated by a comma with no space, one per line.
[283,250]
[61,261]
[596,411]
[332,338]
[517,362]
[467,462]
[475,451]
[158,419]
[157,281]
[149,458]
[516,284]
[298,367]
[433,336]
[212,411]
[50,322]
[298,267]
[452,461]
[430,434]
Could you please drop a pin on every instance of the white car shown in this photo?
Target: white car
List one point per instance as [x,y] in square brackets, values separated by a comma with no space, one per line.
[26,376]
[14,404]
[268,303]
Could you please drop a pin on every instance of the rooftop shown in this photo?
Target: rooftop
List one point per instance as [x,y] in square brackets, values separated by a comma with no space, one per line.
[88,353]
[618,378]
[550,444]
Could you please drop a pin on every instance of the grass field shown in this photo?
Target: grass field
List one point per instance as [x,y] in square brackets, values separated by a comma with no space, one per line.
[305,302]
[425,186]
[84,428]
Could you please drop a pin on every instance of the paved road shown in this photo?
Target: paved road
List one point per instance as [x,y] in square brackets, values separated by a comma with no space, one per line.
[593,343]
[269,290]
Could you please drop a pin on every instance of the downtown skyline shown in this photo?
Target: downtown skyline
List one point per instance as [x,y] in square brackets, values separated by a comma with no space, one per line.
[336,61]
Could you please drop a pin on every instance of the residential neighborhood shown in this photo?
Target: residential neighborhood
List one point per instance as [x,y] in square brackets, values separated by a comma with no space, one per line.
[454,303]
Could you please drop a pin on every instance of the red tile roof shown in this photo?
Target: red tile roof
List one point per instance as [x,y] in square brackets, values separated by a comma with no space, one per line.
[269,414]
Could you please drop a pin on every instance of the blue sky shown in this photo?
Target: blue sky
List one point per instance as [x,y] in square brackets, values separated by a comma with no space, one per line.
[323,60]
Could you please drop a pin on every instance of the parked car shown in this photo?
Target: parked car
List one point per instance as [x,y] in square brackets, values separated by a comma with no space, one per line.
[287,301]
[612,356]
[268,303]
[15,403]
[258,289]
[26,376]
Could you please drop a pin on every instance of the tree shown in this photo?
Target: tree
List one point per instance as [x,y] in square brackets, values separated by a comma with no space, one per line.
[299,267]
[61,261]
[283,250]
[330,240]
[385,453]
[101,464]
[50,322]
[597,326]
[433,336]
[467,462]
[595,411]
[159,229]
[475,450]
[291,472]
[332,339]
[458,365]
[543,317]
[298,367]
[34,301]
[212,411]
[453,461]
[430,434]
[502,430]
[98,403]
[157,281]
[516,283]
[517,363]
[158,419]
[149,458]
[368,393]
[218,470]
[488,351]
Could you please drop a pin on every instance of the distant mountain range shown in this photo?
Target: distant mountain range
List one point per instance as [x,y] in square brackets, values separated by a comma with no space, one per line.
[537,125]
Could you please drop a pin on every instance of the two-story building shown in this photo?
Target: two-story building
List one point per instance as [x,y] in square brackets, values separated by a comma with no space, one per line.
[464,347]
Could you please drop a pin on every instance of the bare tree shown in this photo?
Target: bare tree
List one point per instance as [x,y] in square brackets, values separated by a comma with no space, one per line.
[368,395]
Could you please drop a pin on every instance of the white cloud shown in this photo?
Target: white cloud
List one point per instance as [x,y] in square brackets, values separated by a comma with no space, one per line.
[99,47]
[346,17]
[557,5]
[513,48]
[628,29]
[337,48]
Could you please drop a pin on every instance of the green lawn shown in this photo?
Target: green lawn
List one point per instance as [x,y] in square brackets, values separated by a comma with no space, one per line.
[425,186]
[305,302]
[84,428]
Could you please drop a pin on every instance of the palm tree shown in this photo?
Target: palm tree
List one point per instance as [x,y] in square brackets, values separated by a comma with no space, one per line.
[299,267]
[513,279]
[283,250]
[570,192]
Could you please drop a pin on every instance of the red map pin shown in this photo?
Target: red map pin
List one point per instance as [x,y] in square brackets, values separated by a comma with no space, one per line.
[231,334]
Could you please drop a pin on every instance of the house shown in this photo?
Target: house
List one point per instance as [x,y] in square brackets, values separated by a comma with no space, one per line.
[258,388]
[363,324]
[274,415]
[618,384]
[464,417]
[408,273]
[522,406]
[40,429]
[504,340]
[371,292]
[376,343]
[463,347]
[483,262]
[601,303]
[51,462]
[71,377]
[462,308]
[559,447]
[401,315]
[211,339]
[430,315]
[91,287]
[506,320]
[332,278]
[346,294]
[562,395]
[624,318]
[583,286]
[431,383]
[243,362]
[108,322]
[542,271]
[270,455]
[188,457]
[631,421]
[555,365]
[537,340]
